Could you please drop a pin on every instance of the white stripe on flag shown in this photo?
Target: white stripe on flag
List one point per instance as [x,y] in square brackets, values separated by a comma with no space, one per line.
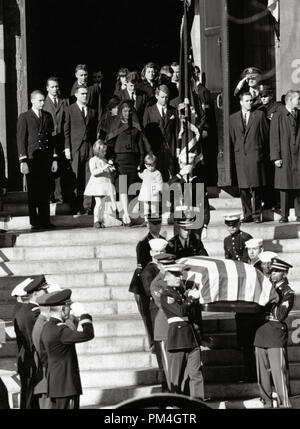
[232,275]
[213,275]
[251,277]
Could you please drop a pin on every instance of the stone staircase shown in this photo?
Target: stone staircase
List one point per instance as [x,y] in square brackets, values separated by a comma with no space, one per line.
[98,265]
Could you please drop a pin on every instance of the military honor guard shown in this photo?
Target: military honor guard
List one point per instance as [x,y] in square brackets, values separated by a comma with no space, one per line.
[247,323]
[183,344]
[234,244]
[186,243]
[38,158]
[24,321]
[58,352]
[266,261]
[251,76]
[149,273]
[271,339]
[254,247]
[136,286]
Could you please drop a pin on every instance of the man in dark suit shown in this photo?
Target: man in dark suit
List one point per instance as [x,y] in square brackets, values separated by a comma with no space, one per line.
[80,130]
[94,90]
[284,146]
[38,158]
[133,93]
[160,124]
[165,78]
[58,352]
[271,339]
[249,133]
[56,105]
[24,321]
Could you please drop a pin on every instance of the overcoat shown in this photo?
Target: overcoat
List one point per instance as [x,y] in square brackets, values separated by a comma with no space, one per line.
[284,145]
[250,147]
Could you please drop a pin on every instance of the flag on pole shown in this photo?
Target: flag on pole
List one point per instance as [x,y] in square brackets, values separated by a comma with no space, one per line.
[190,112]
[273,6]
[227,280]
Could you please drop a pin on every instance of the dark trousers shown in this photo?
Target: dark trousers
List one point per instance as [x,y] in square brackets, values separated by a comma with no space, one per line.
[246,325]
[284,201]
[143,303]
[38,188]
[67,403]
[186,366]
[272,364]
[251,208]
[162,376]
[28,400]
[81,170]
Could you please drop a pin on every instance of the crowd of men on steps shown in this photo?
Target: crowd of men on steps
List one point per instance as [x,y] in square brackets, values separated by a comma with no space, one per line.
[145,116]
[56,138]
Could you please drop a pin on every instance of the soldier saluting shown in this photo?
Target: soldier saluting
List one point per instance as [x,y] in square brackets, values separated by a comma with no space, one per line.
[271,339]
[58,353]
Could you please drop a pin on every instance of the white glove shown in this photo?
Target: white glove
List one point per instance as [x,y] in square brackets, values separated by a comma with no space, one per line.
[194,293]
[54,167]
[68,153]
[187,169]
[77,309]
[204,134]
[278,163]
[24,168]
[203,233]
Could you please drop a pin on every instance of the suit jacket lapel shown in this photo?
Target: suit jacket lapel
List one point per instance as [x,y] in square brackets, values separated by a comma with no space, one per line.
[80,114]
[250,122]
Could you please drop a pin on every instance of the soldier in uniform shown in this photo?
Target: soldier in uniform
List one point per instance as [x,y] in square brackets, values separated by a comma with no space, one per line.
[186,243]
[251,76]
[183,344]
[247,323]
[24,321]
[254,247]
[40,379]
[266,261]
[234,244]
[271,339]
[136,287]
[58,353]
[38,158]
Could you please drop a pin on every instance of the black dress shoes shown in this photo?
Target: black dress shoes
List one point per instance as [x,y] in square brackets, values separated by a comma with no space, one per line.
[248,219]
[283,219]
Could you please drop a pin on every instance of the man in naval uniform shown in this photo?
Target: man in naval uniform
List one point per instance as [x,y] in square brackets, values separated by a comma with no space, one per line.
[254,247]
[24,321]
[271,339]
[266,262]
[58,352]
[234,244]
[183,342]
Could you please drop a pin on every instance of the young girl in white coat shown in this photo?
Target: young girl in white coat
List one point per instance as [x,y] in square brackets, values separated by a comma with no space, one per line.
[100,185]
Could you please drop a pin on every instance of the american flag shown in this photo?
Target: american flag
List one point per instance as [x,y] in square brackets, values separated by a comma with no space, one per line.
[227,280]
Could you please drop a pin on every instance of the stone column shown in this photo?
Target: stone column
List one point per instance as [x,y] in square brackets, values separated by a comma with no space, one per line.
[288,52]
[2,86]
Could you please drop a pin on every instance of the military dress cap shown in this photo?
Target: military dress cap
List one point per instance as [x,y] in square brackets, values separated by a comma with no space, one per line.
[36,283]
[251,71]
[158,244]
[265,90]
[267,256]
[232,218]
[155,219]
[165,258]
[185,216]
[280,265]
[56,298]
[19,290]
[175,269]
[254,242]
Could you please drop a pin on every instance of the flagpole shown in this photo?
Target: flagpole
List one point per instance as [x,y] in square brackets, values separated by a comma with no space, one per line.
[186,82]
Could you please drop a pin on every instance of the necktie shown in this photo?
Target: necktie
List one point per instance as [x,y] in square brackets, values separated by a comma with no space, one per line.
[163,114]
[245,119]
[55,102]
[83,113]
[40,114]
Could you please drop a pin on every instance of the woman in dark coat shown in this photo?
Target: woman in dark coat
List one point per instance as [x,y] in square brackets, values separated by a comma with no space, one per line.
[127,147]
[121,81]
